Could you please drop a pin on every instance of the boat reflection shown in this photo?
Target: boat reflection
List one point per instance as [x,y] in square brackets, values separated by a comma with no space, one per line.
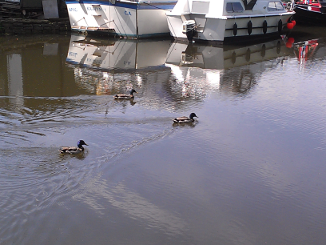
[109,67]
[305,50]
[105,67]
[308,43]
[228,68]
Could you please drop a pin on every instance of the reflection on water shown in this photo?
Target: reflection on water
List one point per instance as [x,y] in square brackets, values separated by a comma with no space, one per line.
[305,50]
[113,67]
[131,203]
[228,69]
[248,172]
[210,57]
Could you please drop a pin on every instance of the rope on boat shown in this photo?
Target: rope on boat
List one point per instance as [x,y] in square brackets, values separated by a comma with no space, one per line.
[107,22]
[153,6]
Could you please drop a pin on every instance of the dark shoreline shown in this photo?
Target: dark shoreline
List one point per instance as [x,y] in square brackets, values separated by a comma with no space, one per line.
[23,26]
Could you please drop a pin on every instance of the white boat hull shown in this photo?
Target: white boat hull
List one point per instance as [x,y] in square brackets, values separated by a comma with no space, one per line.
[221,29]
[127,19]
[214,20]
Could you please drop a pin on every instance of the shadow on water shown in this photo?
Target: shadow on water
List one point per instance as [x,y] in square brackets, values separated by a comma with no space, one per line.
[80,156]
[304,33]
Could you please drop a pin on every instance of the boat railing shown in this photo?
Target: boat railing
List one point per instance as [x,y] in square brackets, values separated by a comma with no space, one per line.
[146,1]
[129,1]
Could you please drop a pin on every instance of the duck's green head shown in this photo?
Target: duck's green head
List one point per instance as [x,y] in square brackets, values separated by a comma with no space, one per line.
[81,143]
[192,115]
[133,91]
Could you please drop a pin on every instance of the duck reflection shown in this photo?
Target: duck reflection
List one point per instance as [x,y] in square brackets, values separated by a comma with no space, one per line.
[185,125]
[80,156]
[125,103]
[229,68]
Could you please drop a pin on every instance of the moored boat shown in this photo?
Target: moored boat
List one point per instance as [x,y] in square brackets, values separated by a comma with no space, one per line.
[310,12]
[126,18]
[227,20]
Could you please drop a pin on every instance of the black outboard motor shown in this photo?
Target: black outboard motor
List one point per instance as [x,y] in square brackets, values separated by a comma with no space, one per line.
[189,28]
[190,34]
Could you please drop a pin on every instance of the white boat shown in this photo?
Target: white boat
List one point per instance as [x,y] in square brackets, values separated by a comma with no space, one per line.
[227,20]
[126,18]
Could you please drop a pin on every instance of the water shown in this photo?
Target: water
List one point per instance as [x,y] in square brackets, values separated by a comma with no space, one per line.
[249,171]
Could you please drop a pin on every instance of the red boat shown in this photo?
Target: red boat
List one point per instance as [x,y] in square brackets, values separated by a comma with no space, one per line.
[310,11]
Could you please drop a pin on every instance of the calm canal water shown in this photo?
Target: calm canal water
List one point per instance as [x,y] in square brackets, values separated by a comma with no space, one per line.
[251,170]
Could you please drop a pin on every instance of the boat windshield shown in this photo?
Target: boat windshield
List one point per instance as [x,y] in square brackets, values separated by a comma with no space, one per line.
[234,7]
[275,6]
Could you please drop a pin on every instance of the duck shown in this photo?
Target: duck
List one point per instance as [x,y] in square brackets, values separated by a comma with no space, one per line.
[73,149]
[185,119]
[126,96]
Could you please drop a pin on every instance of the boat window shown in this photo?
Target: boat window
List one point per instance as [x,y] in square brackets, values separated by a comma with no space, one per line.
[275,6]
[234,7]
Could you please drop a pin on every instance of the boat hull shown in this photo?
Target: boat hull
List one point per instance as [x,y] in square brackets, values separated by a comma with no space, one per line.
[126,19]
[306,15]
[224,30]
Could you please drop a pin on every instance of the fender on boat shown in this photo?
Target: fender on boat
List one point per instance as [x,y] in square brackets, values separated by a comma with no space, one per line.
[280,26]
[249,27]
[235,29]
[264,26]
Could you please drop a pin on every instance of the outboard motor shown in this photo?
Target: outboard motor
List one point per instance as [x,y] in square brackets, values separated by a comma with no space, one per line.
[189,28]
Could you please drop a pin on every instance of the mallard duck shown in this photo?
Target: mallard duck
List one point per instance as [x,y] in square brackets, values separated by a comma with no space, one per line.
[73,149]
[185,119]
[126,96]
